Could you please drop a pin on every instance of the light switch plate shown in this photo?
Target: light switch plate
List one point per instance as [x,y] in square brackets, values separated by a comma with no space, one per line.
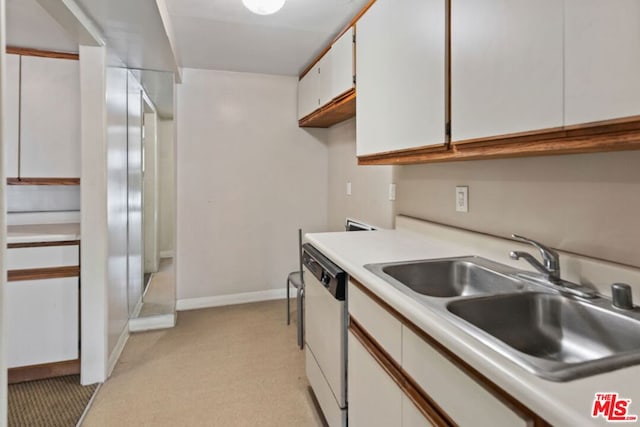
[392,192]
[462,199]
[349,188]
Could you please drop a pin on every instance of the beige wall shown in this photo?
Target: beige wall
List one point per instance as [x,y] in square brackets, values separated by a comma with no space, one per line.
[369,200]
[247,178]
[587,204]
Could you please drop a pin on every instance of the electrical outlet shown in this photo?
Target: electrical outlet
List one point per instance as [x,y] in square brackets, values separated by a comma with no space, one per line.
[462,199]
[349,188]
[392,192]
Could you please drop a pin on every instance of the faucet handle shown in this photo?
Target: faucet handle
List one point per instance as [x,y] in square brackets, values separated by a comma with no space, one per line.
[549,255]
[621,296]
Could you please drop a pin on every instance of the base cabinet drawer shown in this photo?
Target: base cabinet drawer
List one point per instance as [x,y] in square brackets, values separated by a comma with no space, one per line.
[379,323]
[42,321]
[43,257]
[464,400]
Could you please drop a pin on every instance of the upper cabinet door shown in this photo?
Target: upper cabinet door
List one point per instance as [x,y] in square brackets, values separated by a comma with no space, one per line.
[307,94]
[506,67]
[602,51]
[400,63]
[12,115]
[324,72]
[50,118]
[342,64]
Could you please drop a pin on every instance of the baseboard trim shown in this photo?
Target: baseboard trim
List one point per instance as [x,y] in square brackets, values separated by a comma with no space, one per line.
[138,309]
[117,351]
[167,254]
[222,300]
[161,321]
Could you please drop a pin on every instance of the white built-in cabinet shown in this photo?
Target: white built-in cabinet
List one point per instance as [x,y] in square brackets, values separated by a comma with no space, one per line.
[43,117]
[11,101]
[329,78]
[602,60]
[401,82]
[506,67]
[42,313]
[386,355]
[49,118]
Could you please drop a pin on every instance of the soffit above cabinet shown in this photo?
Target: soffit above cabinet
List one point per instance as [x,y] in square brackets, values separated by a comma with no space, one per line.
[224,35]
[31,26]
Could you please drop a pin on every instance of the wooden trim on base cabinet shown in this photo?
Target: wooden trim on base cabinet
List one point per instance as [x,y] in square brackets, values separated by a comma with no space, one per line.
[427,406]
[341,108]
[25,51]
[43,244]
[612,135]
[43,273]
[46,370]
[43,181]
[470,371]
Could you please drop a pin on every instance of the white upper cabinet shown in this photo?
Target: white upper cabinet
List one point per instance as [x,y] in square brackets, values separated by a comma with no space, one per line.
[342,63]
[12,115]
[49,118]
[602,60]
[506,66]
[307,99]
[324,73]
[400,65]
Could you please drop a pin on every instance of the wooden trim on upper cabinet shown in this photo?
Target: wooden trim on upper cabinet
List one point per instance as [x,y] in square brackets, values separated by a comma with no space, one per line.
[43,273]
[25,51]
[470,371]
[43,181]
[45,370]
[341,108]
[43,244]
[351,23]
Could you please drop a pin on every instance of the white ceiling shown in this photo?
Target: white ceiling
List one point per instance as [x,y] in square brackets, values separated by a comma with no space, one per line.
[224,35]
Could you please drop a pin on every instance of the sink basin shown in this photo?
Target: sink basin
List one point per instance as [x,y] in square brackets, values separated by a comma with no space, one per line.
[450,277]
[554,336]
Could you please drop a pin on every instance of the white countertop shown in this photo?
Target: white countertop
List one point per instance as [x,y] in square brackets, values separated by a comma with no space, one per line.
[559,403]
[43,233]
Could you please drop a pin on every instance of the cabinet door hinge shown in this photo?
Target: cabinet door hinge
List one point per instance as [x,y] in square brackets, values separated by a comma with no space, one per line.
[354,79]
[447,128]
[354,37]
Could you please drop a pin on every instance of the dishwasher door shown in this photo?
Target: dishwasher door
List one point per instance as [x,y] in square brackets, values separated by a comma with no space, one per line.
[325,333]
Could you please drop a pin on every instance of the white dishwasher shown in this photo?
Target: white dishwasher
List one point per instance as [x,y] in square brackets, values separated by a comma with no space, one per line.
[325,320]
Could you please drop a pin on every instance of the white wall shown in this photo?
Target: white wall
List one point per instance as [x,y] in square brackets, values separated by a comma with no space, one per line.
[3,225]
[247,178]
[369,199]
[150,195]
[167,185]
[94,216]
[586,204]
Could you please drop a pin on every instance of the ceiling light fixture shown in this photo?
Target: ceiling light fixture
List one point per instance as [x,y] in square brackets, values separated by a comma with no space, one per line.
[263,7]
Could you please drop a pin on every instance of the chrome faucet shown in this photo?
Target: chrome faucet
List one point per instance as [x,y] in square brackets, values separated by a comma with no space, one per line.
[550,258]
[550,269]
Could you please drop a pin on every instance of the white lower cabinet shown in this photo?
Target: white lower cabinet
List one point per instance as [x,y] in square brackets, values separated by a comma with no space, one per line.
[42,321]
[374,398]
[416,384]
[463,399]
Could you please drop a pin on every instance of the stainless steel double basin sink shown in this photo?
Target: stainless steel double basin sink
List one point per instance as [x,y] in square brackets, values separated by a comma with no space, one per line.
[555,336]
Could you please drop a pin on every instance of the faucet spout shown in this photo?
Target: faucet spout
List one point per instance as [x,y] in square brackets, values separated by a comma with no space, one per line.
[531,259]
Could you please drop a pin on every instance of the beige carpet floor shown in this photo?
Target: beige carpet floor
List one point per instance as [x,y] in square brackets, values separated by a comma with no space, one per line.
[54,402]
[228,366]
